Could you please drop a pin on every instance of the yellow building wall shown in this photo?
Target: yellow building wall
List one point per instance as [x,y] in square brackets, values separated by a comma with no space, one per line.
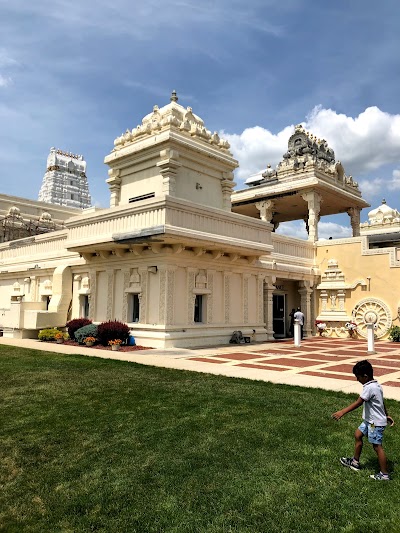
[382,281]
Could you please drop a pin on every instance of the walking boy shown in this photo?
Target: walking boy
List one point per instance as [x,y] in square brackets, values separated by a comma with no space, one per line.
[375,419]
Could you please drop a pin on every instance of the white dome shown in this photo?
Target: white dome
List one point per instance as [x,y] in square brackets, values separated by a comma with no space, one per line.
[383,213]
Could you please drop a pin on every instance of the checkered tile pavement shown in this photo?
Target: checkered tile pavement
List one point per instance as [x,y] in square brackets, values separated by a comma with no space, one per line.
[319,357]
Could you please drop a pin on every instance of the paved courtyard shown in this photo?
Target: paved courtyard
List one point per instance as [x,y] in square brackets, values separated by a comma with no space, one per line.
[319,362]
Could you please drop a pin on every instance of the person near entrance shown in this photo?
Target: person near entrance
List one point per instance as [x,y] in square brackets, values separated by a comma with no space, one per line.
[300,317]
[291,327]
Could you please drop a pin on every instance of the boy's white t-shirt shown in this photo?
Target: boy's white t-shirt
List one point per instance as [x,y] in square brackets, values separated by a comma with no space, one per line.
[373,407]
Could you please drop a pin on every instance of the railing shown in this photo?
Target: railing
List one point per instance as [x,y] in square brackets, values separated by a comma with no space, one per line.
[31,246]
[287,246]
[169,212]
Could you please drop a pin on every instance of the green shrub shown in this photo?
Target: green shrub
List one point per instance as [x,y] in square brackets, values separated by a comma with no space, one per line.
[87,331]
[394,333]
[48,334]
[75,324]
[112,330]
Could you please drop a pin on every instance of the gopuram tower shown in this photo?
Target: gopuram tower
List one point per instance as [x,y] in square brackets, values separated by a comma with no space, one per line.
[65,182]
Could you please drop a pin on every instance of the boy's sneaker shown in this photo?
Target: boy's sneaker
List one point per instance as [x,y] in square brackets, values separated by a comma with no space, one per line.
[380,477]
[350,462]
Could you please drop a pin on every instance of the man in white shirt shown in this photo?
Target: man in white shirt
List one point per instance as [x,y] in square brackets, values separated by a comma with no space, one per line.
[300,317]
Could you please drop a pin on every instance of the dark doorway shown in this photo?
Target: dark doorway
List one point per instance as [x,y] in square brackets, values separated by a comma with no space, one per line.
[279,316]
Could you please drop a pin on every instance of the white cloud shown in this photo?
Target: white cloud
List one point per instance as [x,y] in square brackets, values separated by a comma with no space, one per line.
[394,183]
[4,81]
[363,144]
[297,229]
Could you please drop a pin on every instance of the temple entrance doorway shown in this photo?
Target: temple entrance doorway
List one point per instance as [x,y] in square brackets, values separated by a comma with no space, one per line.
[279,313]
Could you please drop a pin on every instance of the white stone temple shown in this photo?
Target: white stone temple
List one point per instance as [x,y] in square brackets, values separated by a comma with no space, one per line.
[65,182]
[184,259]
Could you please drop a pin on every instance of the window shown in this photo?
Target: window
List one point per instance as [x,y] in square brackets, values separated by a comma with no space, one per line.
[84,306]
[47,300]
[134,308]
[141,197]
[199,305]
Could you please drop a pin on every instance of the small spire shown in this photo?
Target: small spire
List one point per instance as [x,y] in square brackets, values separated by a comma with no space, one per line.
[174,97]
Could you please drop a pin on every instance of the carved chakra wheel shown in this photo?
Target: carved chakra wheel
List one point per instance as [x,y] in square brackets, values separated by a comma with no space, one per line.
[372,310]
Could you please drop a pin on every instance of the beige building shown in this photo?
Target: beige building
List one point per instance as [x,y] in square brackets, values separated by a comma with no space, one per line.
[185,260]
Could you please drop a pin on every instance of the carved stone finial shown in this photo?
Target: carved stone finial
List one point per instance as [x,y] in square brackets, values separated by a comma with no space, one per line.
[384,201]
[174,97]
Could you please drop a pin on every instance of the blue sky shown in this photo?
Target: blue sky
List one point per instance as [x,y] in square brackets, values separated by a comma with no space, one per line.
[75,75]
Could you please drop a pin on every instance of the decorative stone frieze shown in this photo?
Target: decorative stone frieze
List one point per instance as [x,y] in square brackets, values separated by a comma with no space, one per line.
[172,116]
[266,209]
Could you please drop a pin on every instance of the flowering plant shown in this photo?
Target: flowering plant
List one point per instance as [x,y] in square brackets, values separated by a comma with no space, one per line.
[59,335]
[351,328]
[321,326]
[115,342]
[89,339]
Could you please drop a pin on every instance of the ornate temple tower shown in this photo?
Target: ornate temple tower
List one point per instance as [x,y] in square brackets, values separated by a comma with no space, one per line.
[65,182]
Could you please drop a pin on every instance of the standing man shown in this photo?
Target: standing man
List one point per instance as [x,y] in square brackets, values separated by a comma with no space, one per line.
[300,317]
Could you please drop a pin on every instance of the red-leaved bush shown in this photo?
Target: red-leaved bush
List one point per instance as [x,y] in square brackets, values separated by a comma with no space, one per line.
[112,330]
[75,324]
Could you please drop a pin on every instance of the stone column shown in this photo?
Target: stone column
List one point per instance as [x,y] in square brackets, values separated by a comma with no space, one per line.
[314,201]
[227,297]
[144,278]
[126,273]
[266,209]
[354,214]
[227,185]
[27,289]
[245,295]
[269,288]
[168,167]
[76,284]
[306,292]
[210,296]
[191,272]
[93,294]
[110,294]
[114,184]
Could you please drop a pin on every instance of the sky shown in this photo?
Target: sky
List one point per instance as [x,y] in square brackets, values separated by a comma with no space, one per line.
[75,75]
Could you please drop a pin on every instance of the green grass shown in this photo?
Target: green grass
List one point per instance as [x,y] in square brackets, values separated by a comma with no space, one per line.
[95,445]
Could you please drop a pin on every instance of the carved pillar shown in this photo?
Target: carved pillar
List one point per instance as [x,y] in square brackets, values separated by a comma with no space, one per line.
[76,284]
[168,167]
[354,214]
[269,288]
[114,184]
[227,296]
[191,272]
[33,289]
[143,309]
[210,296]
[27,289]
[266,209]
[93,294]
[324,300]
[126,273]
[245,285]
[314,201]
[306,292]
[341,294]
[167,291]
[110,294]
[227,185]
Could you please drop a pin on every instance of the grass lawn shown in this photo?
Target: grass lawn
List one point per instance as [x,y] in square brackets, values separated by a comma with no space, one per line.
[98,445]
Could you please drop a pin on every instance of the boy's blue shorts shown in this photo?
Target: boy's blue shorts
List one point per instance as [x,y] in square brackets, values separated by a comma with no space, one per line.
[374,433]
